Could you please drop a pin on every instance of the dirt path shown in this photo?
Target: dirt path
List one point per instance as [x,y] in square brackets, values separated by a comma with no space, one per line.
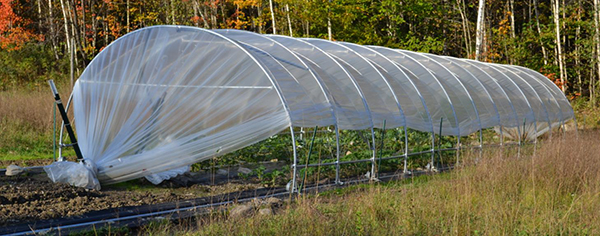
[32,197]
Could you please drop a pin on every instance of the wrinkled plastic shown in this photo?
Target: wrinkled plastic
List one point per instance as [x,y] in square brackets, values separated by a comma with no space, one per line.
[166,175]
[164,97]
[82,174]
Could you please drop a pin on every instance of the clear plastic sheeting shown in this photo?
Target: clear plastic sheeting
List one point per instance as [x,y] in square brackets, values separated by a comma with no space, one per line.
[82,174]
[165,175]
[161,98]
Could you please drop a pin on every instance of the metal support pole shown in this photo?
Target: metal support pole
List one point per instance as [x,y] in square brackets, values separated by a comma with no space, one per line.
[432,151]
[405,150]
[63,113]
[381,148]
[536,139]
[337,156]
[312,142]
[521,132]
[501,136]
[440,140]
[62,127]
[294,162]
[480,144]
[439,143]
[458,150]
[373,163]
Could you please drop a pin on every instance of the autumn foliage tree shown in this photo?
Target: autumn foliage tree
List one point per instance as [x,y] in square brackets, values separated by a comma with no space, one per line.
[13,29]
[526,33]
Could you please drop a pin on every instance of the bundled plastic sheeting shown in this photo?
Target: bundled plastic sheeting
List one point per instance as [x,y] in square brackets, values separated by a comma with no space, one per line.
[165,97]
[165,175]
[82,174]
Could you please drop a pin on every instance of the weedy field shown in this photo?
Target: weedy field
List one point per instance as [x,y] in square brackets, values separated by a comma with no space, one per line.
[26,125]
[556,191]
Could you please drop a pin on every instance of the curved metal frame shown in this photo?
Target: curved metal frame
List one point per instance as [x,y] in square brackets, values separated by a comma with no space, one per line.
[527,102]
[420,97]
[388,85]
[551,96]
[373,146]
[541,80]
[358,90]
[447,97]
[503,92]
[470,98]
[538,97]
[486,92]
[326,95]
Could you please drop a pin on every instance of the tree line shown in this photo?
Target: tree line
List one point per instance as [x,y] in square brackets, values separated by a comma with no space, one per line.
[41,39]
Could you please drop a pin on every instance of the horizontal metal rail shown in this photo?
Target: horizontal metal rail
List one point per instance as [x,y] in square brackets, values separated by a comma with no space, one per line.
[301,166]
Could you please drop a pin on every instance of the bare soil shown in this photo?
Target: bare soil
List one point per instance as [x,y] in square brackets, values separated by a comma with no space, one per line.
[32,196]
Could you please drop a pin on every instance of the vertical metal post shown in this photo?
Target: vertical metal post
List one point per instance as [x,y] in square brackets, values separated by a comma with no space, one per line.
[62,126]
[481,140]
[374,151]
[337,156]
[439,143]
[63,113]
[536,138]
[312,142]
[521,136]
[480,143]
[432,150]
[501,136]
[405,150]
[294,161]
[381,148]
[458,150]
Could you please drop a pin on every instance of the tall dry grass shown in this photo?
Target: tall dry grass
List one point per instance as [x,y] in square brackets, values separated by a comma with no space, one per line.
[557,191]
[26,118]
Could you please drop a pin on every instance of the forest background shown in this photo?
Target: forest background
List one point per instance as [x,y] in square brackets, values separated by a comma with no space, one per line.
[56,39]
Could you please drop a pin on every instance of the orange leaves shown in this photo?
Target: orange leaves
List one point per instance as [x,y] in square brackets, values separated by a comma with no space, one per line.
[555,79]
[246,3]
[237,20]
[575,96]
[12,32]
[7,16]
[504,27]
[16,37]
